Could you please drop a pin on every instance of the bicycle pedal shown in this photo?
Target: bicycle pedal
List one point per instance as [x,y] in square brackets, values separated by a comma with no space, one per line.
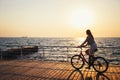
[87,67]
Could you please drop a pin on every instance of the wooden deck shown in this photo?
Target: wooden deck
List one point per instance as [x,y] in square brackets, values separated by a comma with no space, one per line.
[46,70]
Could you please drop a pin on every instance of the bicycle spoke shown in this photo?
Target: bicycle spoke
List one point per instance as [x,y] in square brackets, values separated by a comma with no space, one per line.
[77,62]
[100,64]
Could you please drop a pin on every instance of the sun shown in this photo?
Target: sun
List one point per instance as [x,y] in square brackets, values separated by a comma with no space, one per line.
[81,18]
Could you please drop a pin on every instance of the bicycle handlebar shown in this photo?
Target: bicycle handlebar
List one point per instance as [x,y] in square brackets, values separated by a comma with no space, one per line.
[80,47]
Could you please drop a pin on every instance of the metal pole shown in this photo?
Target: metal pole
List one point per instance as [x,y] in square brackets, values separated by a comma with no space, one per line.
[21,53]
[67,54]
[1,54]
[43,53]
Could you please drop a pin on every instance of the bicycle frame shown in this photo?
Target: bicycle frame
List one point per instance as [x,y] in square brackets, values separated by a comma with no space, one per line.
[83,56]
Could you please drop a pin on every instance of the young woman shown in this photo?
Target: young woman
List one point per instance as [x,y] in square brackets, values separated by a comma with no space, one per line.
[91,42]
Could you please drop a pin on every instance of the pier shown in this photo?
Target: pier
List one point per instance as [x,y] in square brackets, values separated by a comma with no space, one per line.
[53,63]
[50,70]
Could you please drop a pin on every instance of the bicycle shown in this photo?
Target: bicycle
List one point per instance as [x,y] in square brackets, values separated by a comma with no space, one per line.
[99,64]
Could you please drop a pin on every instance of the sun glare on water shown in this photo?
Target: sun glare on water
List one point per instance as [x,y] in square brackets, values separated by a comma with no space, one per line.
[82,18]
[80,39]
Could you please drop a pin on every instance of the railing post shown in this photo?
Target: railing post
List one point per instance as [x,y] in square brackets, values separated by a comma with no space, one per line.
[1,54]
[21,52]
[43,52]
[67,54]
[51,50]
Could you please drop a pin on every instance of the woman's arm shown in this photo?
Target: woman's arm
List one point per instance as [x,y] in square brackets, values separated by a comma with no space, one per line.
[84,43]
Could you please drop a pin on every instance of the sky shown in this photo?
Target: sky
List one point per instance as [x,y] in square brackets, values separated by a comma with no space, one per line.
[59,18]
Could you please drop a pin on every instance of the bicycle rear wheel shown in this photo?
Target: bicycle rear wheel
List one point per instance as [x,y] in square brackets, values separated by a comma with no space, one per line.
[77,62]
[100,64]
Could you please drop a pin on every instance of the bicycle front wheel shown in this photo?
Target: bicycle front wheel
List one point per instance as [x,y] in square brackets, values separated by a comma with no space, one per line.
[77,62]
[100,64]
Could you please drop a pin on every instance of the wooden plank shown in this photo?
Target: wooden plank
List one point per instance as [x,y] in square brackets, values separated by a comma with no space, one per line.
[46,70]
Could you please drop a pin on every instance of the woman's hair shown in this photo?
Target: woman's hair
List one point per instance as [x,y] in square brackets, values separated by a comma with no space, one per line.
[88,32]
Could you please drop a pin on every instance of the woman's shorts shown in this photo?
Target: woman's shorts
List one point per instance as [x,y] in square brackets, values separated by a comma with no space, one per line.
[93,48]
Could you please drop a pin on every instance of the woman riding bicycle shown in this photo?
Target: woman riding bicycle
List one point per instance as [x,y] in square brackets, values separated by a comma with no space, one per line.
[91,42]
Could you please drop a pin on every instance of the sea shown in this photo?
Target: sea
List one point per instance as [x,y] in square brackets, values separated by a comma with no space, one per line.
[108,47]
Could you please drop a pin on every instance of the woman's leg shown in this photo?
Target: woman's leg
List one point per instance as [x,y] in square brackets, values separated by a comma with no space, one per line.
[89,58]
[90,52]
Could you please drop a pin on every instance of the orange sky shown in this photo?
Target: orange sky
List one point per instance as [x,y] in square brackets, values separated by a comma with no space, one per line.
[59,18]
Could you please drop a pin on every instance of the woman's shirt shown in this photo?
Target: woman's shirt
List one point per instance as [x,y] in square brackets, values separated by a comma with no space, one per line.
[90,40]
